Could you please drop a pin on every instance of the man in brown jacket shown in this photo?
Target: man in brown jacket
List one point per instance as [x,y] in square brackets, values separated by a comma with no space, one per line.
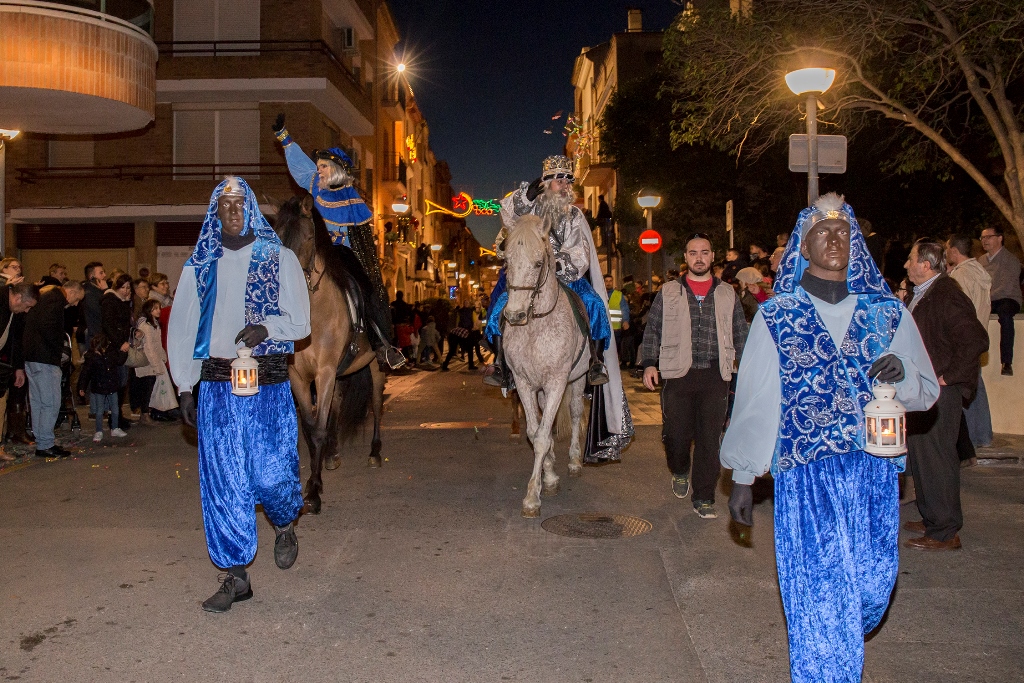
[955,341]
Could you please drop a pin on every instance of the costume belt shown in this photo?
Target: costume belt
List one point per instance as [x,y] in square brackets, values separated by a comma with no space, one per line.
[273,369]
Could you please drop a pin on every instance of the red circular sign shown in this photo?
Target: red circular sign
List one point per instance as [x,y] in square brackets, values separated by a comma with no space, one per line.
[650,241]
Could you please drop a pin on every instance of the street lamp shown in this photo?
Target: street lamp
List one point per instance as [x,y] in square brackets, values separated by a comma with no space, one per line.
[400,205]
[648,201]
[811,82]
[5,135]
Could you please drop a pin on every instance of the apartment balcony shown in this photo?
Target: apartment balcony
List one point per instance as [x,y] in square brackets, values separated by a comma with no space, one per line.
[393,173]
[77,67]
[265,71]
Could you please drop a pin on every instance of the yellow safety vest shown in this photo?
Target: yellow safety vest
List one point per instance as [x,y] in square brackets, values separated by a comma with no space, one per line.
[615,309]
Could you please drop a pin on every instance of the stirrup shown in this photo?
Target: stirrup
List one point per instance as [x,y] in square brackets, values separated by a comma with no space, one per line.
[597,374]
[390,357]
[495,378]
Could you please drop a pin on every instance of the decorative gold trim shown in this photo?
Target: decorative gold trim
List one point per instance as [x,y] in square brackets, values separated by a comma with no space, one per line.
[338,204]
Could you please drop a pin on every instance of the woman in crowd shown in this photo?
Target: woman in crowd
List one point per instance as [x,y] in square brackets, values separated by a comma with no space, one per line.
[116,317]
[10,271]
[152,379]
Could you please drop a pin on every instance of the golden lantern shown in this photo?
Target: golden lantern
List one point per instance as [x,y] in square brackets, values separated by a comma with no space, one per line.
[886,422]
[245,379]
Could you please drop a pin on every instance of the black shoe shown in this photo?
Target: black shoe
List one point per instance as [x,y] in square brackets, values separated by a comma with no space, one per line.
[54,451]
[494,376]
[231,591]
[597,375]
[444,368]
[1007,369]
[286,546]
[62,452]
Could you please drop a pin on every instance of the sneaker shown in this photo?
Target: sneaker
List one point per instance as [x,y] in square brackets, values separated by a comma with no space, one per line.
[705,510]
[286,546]
[118,433]
[680,485]
[231,591]
[97,437]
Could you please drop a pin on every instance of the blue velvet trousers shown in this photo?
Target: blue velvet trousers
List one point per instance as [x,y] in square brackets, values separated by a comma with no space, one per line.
[836,546]
[248,456]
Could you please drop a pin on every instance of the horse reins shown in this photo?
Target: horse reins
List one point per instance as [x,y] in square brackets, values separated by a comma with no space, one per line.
[542,277]
[310,272]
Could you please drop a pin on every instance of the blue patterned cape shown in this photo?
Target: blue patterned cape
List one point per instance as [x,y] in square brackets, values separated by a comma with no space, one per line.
[824,386]
[263,284]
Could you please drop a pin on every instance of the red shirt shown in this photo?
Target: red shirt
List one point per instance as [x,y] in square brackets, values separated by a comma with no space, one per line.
[699,289]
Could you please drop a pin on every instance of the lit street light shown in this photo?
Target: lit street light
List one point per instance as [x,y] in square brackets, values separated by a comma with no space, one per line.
[5,135]
[811,82]
[648,201]
[400,205]
[400,68]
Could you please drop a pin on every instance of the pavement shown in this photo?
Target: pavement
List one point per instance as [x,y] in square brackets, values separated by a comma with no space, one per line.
[424,569]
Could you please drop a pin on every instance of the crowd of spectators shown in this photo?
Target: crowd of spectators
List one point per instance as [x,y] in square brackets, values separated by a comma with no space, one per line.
[109,329]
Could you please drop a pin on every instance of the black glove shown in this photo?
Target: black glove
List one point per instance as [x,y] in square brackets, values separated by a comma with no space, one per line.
[888,368]
[187,405]
[741,504]
[252,335]
[534,189]
[278,124]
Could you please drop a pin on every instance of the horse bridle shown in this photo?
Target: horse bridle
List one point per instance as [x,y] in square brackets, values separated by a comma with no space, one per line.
[542,277]
[310,272]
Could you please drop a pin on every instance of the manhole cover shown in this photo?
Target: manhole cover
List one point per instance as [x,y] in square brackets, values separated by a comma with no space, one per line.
[596,525]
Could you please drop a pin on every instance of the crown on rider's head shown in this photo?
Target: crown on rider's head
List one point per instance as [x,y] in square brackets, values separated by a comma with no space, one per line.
[557,166]
[828,207]
[233,188]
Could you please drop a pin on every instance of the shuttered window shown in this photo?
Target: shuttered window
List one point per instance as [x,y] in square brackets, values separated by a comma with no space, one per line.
[207,21]
[212,142]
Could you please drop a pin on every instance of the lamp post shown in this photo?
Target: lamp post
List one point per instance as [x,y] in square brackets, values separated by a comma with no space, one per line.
[5,135]
[811,82]
[648,201]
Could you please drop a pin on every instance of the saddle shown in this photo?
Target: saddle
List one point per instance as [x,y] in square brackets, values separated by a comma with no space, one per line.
[579,309]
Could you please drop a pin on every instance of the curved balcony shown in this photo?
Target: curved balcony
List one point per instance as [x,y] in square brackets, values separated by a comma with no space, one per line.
[77,66]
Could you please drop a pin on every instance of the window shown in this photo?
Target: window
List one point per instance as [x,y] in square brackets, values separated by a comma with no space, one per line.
[204,22]
[214,142]
[67,153]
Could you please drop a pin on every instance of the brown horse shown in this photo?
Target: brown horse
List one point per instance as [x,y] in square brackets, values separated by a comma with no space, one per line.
[337,358]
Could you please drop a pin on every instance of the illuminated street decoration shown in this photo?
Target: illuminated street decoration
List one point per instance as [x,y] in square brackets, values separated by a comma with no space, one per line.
[410,144]
[463,205]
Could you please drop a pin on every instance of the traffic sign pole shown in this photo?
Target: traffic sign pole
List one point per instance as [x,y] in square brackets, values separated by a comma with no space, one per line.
[650,242]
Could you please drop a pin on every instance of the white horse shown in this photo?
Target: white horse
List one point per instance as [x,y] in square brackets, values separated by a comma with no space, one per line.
[546,351]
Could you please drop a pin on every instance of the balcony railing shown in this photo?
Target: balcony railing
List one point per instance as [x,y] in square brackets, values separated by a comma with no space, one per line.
[138,13]
[243,48]
[392,169]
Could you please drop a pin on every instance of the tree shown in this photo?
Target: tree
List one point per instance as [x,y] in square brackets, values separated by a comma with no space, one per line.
[949,73]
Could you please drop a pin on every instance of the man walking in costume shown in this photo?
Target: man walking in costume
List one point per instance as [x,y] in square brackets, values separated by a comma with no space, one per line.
[813,351]
[350,223]
[551,196]
[240,285]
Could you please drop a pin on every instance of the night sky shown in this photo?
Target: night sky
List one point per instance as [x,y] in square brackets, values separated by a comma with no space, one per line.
[489,75]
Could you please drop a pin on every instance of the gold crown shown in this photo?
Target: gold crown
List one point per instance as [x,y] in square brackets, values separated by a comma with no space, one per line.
[557,166]
[828,207]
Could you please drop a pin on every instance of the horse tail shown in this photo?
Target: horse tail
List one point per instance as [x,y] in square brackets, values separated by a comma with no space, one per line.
[562,419]
[352,394]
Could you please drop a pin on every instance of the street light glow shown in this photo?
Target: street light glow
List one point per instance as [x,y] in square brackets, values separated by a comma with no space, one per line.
[648,199]
[401,67]
[435,247]
[814,79]
[400,205]
[9,134]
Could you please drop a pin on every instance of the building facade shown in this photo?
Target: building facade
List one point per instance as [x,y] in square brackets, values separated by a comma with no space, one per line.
[226,68]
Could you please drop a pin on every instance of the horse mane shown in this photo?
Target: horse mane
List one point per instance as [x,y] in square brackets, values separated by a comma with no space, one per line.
[341,265]
[529,231]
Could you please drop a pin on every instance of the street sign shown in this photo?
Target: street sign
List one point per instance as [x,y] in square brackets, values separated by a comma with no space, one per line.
[650,241]
[831,153]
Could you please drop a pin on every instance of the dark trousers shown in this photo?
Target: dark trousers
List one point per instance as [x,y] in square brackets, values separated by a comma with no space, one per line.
[934,464]
[693,411]
[1005,309]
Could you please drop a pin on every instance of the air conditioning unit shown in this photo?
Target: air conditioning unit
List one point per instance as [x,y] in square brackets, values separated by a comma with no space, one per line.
[348,39]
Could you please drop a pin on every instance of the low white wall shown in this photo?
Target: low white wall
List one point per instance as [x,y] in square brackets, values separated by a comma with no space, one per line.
[1005,394]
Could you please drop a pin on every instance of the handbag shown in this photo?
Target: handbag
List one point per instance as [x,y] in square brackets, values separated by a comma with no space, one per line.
[136,356]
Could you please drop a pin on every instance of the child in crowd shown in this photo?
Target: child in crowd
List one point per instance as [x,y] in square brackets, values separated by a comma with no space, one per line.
[100,375]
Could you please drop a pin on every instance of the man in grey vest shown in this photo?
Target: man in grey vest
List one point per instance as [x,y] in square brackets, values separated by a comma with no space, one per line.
[694,336]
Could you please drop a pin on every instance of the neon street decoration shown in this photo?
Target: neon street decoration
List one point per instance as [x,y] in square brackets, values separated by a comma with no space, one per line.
[410,144]
[463,205]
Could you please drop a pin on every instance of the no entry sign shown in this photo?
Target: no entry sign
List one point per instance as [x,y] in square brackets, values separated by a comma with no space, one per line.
[650,241]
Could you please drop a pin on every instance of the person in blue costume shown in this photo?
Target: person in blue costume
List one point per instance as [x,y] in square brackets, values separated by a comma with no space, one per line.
[328,179]
[576,265]
[241,285]
[810,359]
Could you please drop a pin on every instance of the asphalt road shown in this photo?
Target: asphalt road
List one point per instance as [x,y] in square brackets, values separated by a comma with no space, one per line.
[424,570]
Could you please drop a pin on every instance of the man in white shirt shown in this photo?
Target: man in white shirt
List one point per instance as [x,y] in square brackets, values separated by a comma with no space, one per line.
[240,285]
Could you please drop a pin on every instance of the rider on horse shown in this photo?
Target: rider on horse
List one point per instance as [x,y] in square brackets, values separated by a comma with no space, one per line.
[350,223]
[551,196]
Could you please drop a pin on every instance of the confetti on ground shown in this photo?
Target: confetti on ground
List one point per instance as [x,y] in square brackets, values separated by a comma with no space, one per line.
[95,466]
[177,473]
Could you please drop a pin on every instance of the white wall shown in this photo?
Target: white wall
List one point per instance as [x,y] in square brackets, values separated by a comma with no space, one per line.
[1005,394]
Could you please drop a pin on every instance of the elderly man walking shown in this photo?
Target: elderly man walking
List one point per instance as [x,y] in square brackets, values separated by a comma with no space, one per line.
[955,341]
[976,283]
[695,332]
[1004,268]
